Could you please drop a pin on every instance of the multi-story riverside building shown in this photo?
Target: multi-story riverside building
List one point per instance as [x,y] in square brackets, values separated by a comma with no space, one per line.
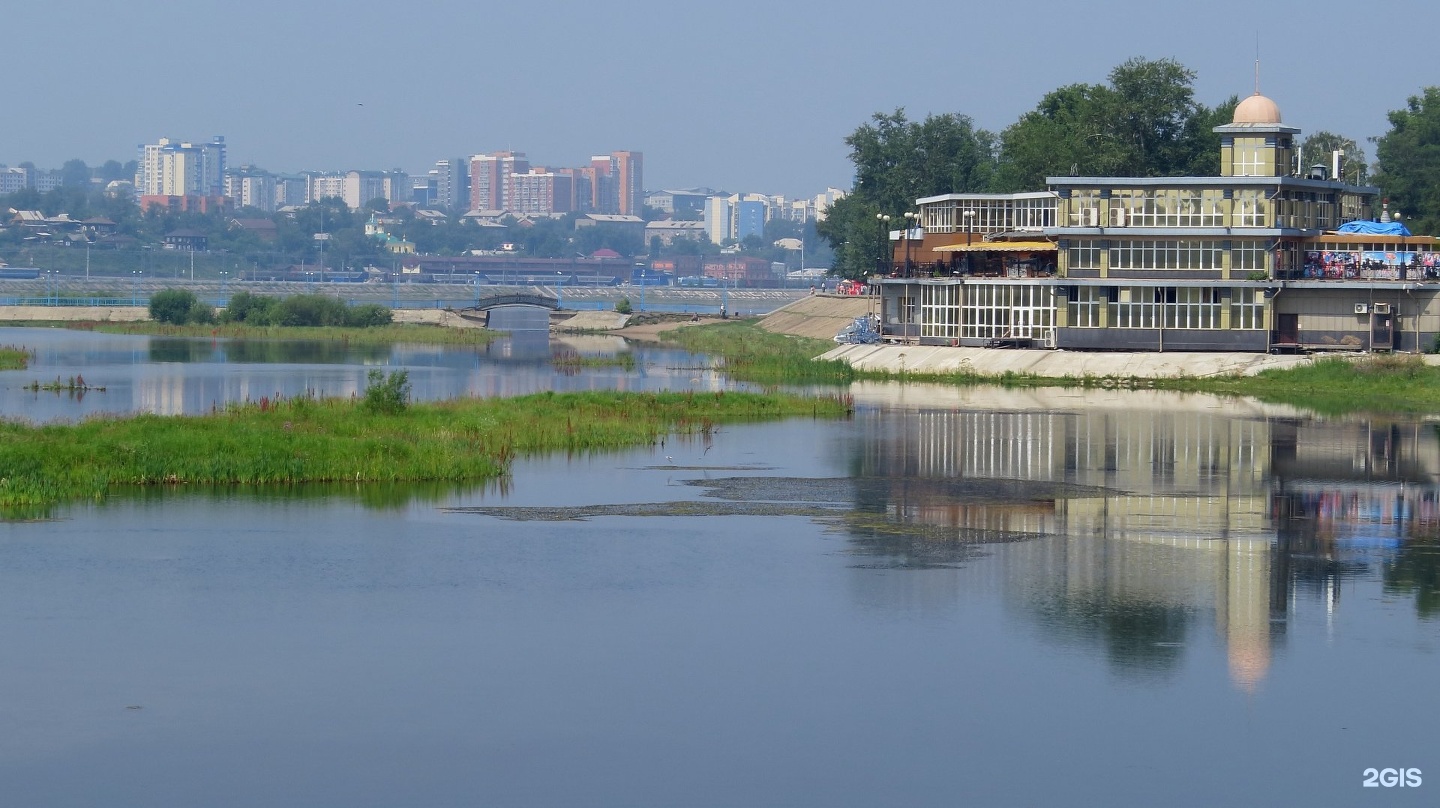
[1255,259]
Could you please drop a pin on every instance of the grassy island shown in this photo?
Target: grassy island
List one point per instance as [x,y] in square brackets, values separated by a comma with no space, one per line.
[13,358]
[372,335]
[750,353]
[305,440]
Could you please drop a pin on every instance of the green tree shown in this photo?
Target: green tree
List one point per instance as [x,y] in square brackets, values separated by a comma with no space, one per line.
[1145,122]
[177,307]
[1409,161]
[1318,148]
[251,309]
[896,162]
[75,174]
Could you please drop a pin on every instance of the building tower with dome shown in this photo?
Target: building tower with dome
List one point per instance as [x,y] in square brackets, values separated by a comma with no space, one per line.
[1267,256]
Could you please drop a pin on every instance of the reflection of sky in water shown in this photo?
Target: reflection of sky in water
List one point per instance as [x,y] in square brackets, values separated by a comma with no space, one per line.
[1024,598]
[174,376]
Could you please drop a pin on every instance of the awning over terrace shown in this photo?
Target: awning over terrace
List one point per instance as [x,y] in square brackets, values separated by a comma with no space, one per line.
[999,246]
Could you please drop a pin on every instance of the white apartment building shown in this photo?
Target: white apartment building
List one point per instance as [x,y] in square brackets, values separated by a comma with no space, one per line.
[181,169]
[13,179]
[358,187]
[250,187]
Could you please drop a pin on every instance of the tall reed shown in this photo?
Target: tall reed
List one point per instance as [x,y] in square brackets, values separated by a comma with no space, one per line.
[14,358]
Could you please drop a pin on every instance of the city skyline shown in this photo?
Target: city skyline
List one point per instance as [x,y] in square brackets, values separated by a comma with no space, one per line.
[749,97]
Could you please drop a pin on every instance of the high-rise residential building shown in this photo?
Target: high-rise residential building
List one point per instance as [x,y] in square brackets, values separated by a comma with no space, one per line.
[617,183]
[251,187]
[357,188]
[490,178]
[291,189]
[737,216]
[717,219]
[174,169]
[750,217]
[320,186]
[541,192]
[629,182]
[449,183]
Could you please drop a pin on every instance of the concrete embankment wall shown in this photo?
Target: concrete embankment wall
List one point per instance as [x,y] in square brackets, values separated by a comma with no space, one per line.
[817,316]
[98,314]
[1070,364]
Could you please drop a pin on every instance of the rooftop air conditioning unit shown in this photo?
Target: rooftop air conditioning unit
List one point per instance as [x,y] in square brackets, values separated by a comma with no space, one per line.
[1362,308]
[1088,217]
[1118,214]
[1382,308]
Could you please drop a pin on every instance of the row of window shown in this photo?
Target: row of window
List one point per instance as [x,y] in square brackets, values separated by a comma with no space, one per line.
[982,311]
[1174,207]
[1156,307]
[1168,254]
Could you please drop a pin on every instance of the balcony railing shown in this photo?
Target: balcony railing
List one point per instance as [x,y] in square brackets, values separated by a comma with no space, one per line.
[942,269]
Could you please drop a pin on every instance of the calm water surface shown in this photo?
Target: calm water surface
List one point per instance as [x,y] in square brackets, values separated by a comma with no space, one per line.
[980,597]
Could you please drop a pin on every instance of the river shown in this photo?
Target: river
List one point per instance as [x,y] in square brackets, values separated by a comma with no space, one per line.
[958,597]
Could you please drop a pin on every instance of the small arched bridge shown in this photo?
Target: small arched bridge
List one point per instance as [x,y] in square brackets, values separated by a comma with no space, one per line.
[495,301]
[515,312]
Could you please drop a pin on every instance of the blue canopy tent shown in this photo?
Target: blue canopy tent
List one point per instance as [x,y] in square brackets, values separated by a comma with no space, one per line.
[1375,228]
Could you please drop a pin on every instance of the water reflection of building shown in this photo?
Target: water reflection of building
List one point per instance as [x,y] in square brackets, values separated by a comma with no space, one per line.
[1145,521]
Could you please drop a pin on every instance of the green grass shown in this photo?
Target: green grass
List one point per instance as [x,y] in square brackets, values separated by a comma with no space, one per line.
[427,334]
[750,353]
[306,440]
[13,357]
[1395,383]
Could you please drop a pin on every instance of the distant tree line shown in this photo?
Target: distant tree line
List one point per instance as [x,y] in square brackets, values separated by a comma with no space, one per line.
[182,307]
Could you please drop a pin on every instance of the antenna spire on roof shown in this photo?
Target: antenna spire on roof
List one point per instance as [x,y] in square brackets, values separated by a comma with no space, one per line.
[1257,62]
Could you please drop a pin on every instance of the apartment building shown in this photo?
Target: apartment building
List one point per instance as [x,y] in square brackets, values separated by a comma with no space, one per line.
[173,169]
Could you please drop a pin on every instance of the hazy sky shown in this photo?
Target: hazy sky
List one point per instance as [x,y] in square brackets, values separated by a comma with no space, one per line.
[742,95]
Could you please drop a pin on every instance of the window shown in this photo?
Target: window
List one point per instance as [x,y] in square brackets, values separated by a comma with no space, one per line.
[1247,309]
[1249,157]
[1084,307]
[999,311]
[1247,256]
[1191,254]
[1083,255]
[1186,307]
[1250,208]
[940,310]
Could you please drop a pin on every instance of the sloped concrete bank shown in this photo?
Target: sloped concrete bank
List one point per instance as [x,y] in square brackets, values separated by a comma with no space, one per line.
[1056,364]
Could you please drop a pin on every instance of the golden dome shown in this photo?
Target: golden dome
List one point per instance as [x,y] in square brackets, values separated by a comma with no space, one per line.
[1257,109]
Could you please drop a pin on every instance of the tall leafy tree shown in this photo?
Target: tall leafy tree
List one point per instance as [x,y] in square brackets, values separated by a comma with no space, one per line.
[1317,149]
[896,162]
[1409,161]
[1145,123]
[75,174]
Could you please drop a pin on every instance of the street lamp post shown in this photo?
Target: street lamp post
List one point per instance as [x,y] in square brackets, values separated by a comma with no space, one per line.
[135,286]
[881,264]
[969,233]
[911,218]
[1400,259]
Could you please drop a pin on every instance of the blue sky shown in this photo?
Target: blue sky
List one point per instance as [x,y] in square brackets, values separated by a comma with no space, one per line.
[739,95]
